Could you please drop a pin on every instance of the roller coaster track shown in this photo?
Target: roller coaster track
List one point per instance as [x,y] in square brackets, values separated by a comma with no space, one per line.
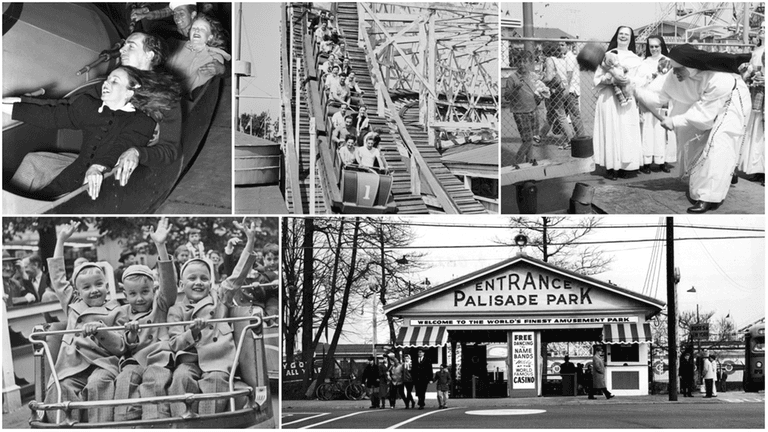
[302,116]
[450,196]
[404,146]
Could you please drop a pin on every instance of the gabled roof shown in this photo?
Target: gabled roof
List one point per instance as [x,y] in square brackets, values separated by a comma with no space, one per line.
[392,307]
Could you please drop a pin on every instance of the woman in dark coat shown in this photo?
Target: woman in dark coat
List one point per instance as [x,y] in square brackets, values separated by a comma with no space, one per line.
[686,370]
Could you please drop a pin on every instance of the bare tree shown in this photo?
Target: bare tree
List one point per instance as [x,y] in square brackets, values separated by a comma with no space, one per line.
[558,246]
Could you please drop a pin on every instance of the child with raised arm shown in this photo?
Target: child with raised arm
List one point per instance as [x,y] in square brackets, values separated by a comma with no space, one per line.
[144,370]
[87,363]
[205,353]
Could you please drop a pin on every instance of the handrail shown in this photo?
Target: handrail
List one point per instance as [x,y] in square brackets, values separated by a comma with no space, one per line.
[142,326]
[187,397]
[442,195]
[291,149]
[52,363]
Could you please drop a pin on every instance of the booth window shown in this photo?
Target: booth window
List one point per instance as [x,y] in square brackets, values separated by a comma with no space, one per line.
[625,353]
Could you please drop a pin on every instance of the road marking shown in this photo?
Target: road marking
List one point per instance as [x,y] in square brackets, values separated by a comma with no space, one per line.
[505,412]
[304,419]
[334,419]
[419,416]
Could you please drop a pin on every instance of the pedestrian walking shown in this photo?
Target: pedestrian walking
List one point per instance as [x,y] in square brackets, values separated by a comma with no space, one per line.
[598,375]
[383,385]
[395,379]
[710,374]
[443,380]
[687,371]
[422,376]
[408,382]
[371,381]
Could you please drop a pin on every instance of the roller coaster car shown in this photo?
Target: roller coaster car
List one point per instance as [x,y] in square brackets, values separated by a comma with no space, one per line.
[366,190]
[250,401]
[148,187]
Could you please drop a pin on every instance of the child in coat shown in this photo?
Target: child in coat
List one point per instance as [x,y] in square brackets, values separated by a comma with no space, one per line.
[144,371]
[204,353]
[87,363]
[443,380]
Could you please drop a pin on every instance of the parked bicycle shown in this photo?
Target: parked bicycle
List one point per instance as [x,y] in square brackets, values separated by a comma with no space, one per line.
[349,388]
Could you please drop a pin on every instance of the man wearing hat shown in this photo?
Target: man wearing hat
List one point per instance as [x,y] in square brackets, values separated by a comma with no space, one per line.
[710,108]
[710,374]
[127,259]
[14,292]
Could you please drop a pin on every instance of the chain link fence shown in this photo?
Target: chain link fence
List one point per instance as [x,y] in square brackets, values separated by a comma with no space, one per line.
[556,115]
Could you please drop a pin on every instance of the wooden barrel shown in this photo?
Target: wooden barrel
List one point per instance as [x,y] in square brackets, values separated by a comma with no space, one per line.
[257,160]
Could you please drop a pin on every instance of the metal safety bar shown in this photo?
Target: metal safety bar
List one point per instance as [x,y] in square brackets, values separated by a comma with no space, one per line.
[52,363]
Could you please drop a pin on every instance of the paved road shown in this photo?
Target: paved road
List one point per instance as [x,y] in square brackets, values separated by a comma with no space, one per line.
[735,411]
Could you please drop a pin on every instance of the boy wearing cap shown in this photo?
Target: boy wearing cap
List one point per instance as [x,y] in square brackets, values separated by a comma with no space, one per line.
[204,353]
[443,380]
[87,363]
[144,369]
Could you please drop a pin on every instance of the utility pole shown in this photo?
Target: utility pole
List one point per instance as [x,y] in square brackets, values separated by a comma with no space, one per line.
[544,237]
[672,279]
[528,25]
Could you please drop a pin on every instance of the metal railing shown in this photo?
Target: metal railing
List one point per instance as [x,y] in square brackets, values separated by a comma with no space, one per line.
[66,407]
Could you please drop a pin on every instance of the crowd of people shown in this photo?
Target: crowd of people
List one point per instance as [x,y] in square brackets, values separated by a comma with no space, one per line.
[355,143]
[135,117]
[196,285]
[700,108]
[390,379]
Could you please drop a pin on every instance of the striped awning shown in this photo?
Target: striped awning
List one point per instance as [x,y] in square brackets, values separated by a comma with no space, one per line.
[422,337]
[627,333]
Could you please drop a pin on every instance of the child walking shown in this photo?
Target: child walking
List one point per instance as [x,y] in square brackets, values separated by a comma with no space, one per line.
[443,380]
[144,371]
[204,353]
[87,363]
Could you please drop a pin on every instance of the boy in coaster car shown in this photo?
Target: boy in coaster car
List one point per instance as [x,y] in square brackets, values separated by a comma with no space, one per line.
[87,363]
[204,353]
[144,371]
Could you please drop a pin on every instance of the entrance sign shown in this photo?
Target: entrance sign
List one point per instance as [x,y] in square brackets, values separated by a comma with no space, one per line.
[569,320]
[523,365]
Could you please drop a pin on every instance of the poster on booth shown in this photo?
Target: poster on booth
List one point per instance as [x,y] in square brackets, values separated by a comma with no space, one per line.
[523,365]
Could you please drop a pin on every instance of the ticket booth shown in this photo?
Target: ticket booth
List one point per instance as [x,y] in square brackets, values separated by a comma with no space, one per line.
[492,327]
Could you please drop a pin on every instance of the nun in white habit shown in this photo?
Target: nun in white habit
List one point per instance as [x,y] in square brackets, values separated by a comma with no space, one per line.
[709,117]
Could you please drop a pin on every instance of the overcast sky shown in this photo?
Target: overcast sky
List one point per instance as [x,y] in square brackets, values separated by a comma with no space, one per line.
[261,47]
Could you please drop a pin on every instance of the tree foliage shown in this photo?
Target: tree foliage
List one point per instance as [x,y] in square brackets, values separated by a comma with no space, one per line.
[260,125]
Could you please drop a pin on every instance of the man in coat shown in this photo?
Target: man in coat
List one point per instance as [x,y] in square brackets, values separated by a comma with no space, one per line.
[422,375]
[598,375]
[687,372]
[38,281]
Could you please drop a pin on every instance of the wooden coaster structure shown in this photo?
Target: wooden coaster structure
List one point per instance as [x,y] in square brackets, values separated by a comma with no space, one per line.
[447,52]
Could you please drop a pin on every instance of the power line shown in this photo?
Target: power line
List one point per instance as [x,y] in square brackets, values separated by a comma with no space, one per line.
[551,243]
[494,226]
